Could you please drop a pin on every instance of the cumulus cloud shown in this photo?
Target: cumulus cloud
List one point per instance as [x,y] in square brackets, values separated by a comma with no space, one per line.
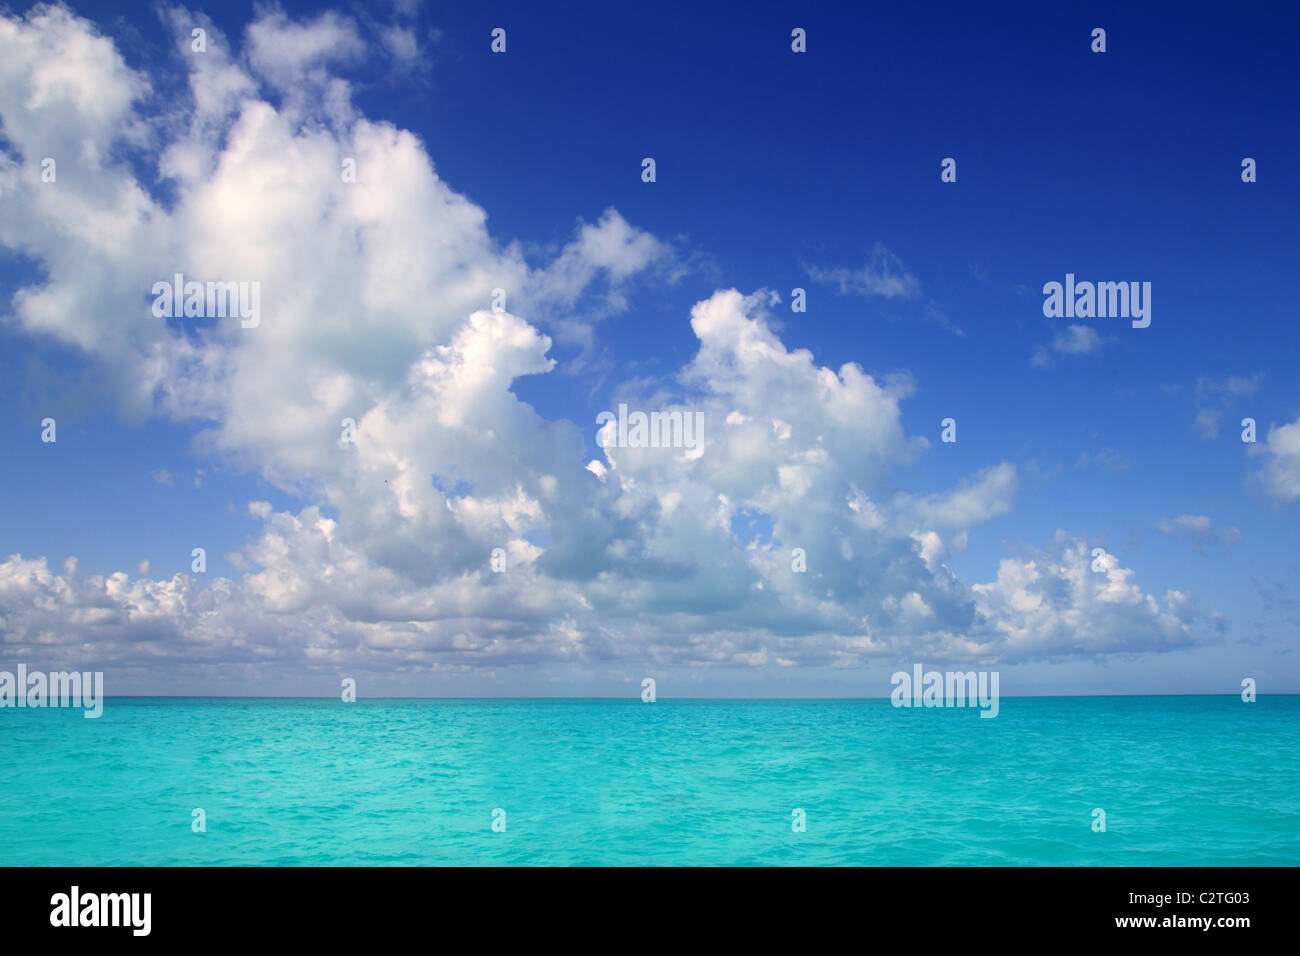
[376,303]
[1051,604]
[1280,473]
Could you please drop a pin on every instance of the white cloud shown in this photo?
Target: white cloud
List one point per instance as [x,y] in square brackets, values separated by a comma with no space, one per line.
[375,307]
[1234,386]
[1200,528]
[401,43]
[987,495]
[1207,422]
[1215,397]
[883,274]
[1051,604]
[1075,340]
[1107,458]
[288,54]
[1281,470]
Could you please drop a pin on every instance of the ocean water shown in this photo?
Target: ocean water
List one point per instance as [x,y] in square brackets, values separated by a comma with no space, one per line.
[1183,781]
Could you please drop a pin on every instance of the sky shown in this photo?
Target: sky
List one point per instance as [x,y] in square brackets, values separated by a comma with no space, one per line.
[799,275]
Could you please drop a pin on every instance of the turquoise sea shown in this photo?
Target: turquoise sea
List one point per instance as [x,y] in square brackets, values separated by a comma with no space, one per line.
[1183,781]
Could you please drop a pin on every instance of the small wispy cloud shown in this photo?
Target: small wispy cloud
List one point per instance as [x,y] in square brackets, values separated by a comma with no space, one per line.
[401,44]
[164,477]
[884,275]
[1234,386]
[1075,340]
[1216,396]
[1200,528]
[1107,458]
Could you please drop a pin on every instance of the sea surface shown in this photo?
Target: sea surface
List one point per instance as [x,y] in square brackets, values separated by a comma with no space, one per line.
[1195,781]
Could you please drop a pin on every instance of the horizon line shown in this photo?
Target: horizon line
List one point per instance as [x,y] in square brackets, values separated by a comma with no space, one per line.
[635,697]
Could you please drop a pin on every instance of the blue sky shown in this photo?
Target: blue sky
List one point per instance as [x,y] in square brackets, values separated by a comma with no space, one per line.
[774,170]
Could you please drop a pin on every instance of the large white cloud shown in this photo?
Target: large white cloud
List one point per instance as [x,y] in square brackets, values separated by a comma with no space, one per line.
[376,307]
